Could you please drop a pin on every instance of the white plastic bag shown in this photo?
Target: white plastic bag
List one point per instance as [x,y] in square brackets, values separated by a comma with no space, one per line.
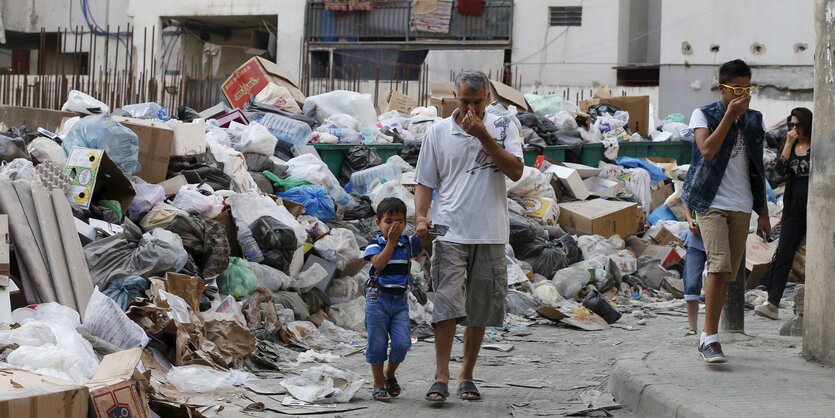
[249,206]
[570,280]
[339,247]
[428,112]
[83,103]
[393,189]
[271,278]
[533,183]
[52,349]
[350,315]
[178,307]
[594,245]
[337,102]
[279,96]
[50,312]
[45,149]
[218,136]
[196,378]
[234,163]
[106,320]
[626,262]
[309,167]
[564,121]
[255,138]
[548,293]
[147,196]
[191,200]
[19,169]
[343,289]
[320,382]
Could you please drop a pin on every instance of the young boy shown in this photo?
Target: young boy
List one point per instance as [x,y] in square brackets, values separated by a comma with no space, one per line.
[386,301]
[694,266]
[726,181]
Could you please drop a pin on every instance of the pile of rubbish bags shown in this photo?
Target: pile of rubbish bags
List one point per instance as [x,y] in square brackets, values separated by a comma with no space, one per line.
[243,255]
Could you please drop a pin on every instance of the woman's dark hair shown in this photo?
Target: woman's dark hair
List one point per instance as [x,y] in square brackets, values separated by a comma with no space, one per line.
[804,119]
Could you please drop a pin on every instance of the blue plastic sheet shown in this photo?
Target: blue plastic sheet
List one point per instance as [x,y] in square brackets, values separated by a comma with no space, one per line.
[655,173]
[315,199]
[661,213]
[101,132]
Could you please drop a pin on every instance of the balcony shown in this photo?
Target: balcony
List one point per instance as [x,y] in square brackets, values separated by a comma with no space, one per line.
[388,22]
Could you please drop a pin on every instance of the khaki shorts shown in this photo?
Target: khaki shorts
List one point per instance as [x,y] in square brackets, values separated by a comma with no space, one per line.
[724,234]
[470,283]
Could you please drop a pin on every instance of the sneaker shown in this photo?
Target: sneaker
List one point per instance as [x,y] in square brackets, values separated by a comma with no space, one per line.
[766,310]
[712,353]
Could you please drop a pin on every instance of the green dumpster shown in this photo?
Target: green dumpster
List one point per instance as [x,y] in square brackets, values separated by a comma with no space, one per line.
[679,150]
[334,154]
[555,153]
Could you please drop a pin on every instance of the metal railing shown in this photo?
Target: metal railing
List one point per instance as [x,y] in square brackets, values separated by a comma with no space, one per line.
[389,21]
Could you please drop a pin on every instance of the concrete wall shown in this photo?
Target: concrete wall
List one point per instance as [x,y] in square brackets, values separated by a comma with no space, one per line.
[21,16]
[291,17]
[573,55]
[819,317]
[441,63]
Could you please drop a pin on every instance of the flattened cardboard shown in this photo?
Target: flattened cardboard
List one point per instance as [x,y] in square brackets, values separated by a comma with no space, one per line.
[508,95]
[660,195]
[25,394]
[252,76]
[401,103]
[758,255]
[668,256]
[584,170]
[572,181]
[663,236]
[600,217]
[601,187]
[156,143]
[94,176]
[187,287]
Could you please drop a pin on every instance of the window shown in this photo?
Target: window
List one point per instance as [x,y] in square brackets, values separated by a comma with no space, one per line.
[566,16]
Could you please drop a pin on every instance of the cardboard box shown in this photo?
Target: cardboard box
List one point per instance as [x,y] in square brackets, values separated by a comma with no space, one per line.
[113,392]
[601,187]
[542,208]
[663,236]
[401,103]
[251,77]
[508,96]
[600,217]
[637,106]
[660,195]
[758,255]
[189,138]
[584,170]
[668,256]
[572,181]
[443,98]
[94,176]
[156,144]
[14,116]
[25,394]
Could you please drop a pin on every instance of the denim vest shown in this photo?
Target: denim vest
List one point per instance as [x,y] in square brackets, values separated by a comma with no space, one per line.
[704,176]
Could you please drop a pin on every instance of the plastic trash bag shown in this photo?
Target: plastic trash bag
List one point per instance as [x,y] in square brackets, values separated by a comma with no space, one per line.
[45,149]
[198,199]
[564,121]
[238,280]
[249,206]
[83,103]
[356,159]
[50,312]
[393,189]
[598,304]
[197,379]
[100,132]
[343,289]
[594,245]
[19,169]
[569,281]
[320,382]
[106,320]
[270,278]
[548,105]
[12,149]
[124,290]
[149,110]
[276,241]
[310,168]
[51,349]
[343,102]
[545,257]
[147,196]
[625,261]
[234,165]
[160,216]
[205,241]
[279,96]
[338,247]
[350,315]
[674,118]
[359,208]
[315,199]
[548,293]
[680,131]
[521,304]
[255,138]
[533,183]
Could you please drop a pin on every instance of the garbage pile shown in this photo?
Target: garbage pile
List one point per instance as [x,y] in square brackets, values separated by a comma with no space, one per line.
[206,252]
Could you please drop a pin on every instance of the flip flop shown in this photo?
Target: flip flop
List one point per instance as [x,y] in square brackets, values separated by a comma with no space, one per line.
[381,395]
[467,391]
[438,388]
[392,387]
[691,332]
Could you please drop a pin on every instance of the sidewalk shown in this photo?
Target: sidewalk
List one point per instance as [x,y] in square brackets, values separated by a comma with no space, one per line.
[765,376]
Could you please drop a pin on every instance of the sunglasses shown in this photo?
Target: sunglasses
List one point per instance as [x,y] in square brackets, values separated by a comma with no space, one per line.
[739,90]
[791,125]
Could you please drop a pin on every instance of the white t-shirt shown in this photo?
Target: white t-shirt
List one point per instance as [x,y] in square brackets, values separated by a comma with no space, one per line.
[734,192]
[470,191]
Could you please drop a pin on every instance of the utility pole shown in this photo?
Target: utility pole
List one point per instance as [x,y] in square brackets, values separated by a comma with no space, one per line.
[733,313]
[819,317]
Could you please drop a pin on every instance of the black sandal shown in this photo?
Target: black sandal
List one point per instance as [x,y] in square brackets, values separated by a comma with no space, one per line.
[392,387]
[468,387]
[381,395]
[438,388]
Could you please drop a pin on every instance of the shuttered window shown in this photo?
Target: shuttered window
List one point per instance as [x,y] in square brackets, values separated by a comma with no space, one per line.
[566,16]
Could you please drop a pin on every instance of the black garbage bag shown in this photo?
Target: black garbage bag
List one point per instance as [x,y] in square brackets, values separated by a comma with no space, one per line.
[176,164]
[410,152]
[283,150]
[776,137]
[598,304]
[205,242]
[12,149]
[276,241]
[418,292]
[545,257]
[125,289]
[774,178]
[524,230]
[532,139]
[316,299]
[264,184]
[24,133]
[520,303]
[570,138]
[572,250]
[359,208]
[602,109]
[258,162]
[213,177]
[651,272]
[187,114]
[356,159]
[104,213]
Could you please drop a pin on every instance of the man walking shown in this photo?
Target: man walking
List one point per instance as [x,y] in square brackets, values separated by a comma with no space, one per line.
[464,160]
